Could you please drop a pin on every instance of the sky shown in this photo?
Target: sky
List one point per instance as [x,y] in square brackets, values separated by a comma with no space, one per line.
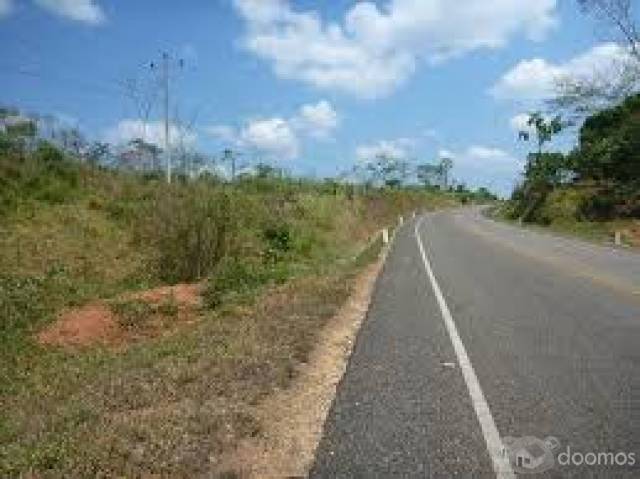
[312,86]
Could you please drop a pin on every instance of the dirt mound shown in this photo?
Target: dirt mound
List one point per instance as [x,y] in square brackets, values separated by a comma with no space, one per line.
[94,323]
[126,318]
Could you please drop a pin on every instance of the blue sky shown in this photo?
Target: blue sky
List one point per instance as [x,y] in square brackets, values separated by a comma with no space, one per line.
[314,86]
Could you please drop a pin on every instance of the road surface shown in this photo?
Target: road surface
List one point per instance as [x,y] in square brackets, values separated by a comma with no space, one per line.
[533,336]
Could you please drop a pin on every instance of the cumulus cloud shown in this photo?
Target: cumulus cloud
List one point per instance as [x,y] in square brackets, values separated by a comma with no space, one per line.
[319,119]
[520,123]
[537,79]
[277,137]
[374,48]
[151,132]
[388,148]
[480,165]
[84,11]
[399,149]
[273,136]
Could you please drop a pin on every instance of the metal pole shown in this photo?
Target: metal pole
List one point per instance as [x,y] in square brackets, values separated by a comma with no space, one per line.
[167,141]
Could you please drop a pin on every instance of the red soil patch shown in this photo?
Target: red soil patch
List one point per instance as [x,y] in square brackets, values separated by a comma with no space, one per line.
[96,323]
[93,323]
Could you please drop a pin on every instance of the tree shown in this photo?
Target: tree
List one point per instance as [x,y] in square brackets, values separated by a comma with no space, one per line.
[584,95]
[543,128]
[618,15]
[99,153]
[544,171]
[609,147]
[387,170]
[428,174]
[445,166]
[141,155]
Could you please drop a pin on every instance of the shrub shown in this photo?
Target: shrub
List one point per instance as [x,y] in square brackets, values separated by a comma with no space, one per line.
[189,227]
[278,241]
[241,276]
[132,315]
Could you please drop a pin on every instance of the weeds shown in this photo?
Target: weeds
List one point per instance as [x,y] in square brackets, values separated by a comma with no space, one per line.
[132,315]
[276,255]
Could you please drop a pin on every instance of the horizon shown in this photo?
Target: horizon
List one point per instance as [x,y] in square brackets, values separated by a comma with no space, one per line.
[311,89]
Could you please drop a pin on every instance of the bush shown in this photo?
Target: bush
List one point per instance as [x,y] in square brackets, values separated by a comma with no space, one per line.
[566,204]
[241,276]
[132,315]
[278,241]
[190,227]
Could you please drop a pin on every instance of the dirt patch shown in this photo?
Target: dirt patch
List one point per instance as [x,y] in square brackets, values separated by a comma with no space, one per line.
[92,324]
[632,234]
[292,419]
[110,323]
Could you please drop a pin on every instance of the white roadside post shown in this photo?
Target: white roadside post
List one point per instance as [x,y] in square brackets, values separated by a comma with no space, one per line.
[618,238]
[385,236]
[400,220]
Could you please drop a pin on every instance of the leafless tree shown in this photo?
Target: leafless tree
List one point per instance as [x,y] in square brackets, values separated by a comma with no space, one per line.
[620,17]
[143,93]
[583,95]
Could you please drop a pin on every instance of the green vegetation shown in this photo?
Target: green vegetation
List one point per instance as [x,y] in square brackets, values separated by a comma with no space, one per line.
[592,190]
[276,257]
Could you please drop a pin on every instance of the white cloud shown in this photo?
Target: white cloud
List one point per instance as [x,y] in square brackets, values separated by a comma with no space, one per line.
[319,119]
[537,79]
[272,136]
[280,138]
[374,49]
[396,149]
[85,11]
[6,7]
[151,132]
[520,122]
[444,153]
[480,165]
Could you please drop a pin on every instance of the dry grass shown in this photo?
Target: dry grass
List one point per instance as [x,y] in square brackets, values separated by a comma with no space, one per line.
[74,236]
[175,399]
[292,419]
[171,406]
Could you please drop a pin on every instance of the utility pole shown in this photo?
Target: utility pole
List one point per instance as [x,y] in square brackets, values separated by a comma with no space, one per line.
[165,80]
[167,140]
[229,156]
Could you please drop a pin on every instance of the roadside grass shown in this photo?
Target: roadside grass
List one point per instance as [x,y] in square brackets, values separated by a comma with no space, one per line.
[167,406]
[600,232]
[276,258]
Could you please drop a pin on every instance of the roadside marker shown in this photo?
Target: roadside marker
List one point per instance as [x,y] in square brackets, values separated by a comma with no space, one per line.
[385,236]
[495,447]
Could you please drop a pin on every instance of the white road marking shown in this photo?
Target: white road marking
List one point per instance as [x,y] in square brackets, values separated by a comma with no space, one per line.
[501,464]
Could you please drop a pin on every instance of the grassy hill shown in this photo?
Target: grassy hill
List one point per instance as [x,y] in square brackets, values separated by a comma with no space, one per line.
[170,386]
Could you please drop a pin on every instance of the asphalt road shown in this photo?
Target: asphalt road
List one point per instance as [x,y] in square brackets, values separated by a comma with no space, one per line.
[551,331]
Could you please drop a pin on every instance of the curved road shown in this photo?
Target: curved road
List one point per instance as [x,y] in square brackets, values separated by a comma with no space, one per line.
[541,345]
